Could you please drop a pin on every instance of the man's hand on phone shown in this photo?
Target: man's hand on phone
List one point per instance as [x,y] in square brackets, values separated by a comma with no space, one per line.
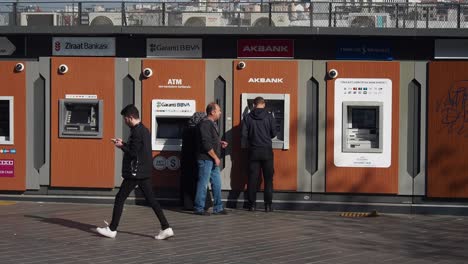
[117,142]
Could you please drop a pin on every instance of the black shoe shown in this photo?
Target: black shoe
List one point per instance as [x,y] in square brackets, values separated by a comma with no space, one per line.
[252,208]
[268,208]
[202,213]
[223,212]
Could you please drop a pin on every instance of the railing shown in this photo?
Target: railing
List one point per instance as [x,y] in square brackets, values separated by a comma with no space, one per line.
[235,14]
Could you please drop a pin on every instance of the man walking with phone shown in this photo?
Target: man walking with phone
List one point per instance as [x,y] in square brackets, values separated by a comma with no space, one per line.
[136,171]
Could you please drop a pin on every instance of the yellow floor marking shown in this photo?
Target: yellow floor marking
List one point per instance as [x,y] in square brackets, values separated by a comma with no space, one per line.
[7,202]
[356,214]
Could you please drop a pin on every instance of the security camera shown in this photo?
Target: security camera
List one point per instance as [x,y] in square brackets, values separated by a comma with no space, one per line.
[147,72]
[333,73]
[241,65]
[62,69]
[19,67]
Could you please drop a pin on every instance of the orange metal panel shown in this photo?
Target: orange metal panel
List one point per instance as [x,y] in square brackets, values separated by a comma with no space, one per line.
[363,180]
[192,73]
[14,84]
[285,177]
[81,162]
[447,146]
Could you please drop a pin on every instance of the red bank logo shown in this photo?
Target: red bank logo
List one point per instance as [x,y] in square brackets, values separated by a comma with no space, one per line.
[57,46]
[266,49]
[274,48]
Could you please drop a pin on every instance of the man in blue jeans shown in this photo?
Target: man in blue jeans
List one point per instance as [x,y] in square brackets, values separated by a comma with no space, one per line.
[208,153]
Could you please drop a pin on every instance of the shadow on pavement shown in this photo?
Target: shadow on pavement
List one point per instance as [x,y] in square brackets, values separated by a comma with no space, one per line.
[77,225]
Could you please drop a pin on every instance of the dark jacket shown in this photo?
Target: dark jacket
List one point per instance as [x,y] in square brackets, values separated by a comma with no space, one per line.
[189,165]
[208,138]
[188,161]
[137,159]
[259,128]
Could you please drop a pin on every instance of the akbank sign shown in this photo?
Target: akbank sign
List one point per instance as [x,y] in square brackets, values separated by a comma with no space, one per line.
[265,48]
[265,80]
[73,46]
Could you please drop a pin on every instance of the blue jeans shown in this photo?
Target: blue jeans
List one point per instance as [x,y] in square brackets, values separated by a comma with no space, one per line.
[208,171]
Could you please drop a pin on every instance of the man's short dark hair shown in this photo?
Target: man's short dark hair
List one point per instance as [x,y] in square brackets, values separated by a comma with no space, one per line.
[130,111]
[211,107]
[258,100]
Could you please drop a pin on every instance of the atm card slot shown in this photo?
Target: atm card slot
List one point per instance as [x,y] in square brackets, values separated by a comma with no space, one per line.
[89,128]
[72,128]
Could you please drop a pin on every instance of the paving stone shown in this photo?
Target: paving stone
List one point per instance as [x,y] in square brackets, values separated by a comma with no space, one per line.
[65,233]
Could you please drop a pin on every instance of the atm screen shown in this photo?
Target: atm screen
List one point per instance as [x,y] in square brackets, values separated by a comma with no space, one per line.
[276,108]
[170,128]
[364,118]
[80,116]
[79,113]
[4,118]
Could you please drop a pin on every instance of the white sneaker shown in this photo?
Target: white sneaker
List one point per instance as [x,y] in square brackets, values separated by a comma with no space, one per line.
[105,231]
[166,233]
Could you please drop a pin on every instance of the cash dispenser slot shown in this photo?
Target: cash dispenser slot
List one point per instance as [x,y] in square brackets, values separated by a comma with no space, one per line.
[81,118]
[278,106]
[6,120]
[362,127]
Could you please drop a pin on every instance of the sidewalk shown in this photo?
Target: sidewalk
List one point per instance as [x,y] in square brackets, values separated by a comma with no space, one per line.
[33,232]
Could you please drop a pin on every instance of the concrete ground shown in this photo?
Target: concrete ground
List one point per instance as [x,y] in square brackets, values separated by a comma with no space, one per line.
[34,232]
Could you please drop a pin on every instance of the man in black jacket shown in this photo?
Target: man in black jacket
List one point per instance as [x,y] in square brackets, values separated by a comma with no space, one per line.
[136,170]
[258,129]
[208,160]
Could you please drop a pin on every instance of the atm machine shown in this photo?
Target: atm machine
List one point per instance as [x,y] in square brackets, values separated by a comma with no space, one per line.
[14,133]
[363,122]
[83,109]
[168,119]
[278,105]
[6,120]
[80,118]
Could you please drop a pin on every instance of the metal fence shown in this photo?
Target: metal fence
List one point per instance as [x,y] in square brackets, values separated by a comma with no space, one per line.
[235,14]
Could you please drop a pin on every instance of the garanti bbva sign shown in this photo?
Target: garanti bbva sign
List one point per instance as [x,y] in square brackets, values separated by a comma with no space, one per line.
[70,46]
[170,48]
